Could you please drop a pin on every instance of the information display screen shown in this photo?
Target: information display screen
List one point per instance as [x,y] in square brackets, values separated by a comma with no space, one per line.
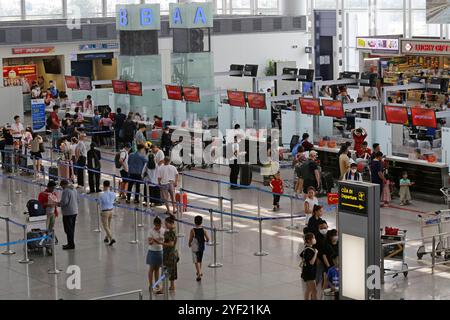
[396,115]
[71,82]
[134,88]
[191,94]
[310,106]
[85,83]
[256,100]
[422,117]
[236,99]
[333,108]
[174,92]
[119,87]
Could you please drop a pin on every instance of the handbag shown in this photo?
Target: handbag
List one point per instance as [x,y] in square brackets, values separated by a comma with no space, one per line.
[41,147]
[194,245]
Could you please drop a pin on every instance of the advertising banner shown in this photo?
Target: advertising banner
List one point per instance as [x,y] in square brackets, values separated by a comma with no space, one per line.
[377,44]
[134,88]
[20,76]
[333,108]
[33,50]
[119,87]
[191,94]
[396,115]
[85,83]
[422,117]
[38,115]
[71,82]
[236,99]
[310,106]
[257,100]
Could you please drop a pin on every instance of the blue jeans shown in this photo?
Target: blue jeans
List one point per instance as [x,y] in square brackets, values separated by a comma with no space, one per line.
[55,137]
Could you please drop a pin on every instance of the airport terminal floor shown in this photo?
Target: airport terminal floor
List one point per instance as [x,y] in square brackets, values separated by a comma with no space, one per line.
[109,270]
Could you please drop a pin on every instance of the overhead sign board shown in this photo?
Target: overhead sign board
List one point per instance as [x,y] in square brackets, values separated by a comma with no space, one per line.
[353,199]
[425,47]
[378,44]
[133,17]
[191,15]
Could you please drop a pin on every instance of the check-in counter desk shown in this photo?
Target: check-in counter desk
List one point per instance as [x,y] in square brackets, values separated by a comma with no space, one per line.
[429,177]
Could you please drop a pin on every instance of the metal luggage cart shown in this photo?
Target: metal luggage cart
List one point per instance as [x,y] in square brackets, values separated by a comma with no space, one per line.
[445,229]
[430,225]
[395,252]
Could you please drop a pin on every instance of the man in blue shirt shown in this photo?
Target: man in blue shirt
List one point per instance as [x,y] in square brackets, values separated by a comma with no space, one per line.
[106,202]
[136,164]
[376,170]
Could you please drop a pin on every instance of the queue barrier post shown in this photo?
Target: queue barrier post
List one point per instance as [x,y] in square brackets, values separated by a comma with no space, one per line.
[8,250]
[382,264]
[212,241]
[179,235]
[141,220]
[55,268]
[98,216]
[9,203]
[433,254]
[114,183]
[222,228]
[215,264]
[166,284]
[260,253]
[135,241]
[292,226]
[16,172]
[231,230]
[25,259]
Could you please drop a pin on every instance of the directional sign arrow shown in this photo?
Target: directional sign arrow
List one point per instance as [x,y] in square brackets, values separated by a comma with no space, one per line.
[360,207]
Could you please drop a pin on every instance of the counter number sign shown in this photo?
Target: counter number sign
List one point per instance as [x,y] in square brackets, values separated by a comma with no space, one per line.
[353,199]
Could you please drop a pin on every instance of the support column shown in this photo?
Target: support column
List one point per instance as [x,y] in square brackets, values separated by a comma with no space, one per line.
[293,8]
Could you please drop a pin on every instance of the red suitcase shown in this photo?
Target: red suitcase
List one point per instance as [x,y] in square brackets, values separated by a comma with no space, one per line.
[183,200]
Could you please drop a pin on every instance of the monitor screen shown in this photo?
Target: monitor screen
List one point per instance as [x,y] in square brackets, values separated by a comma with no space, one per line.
[306,75]
[71,82]
[174,92]
[119,87]
[134,88]
[239,68]
[52,66]
[191,94]
[236,98]
[310,106]
[422,117]
[333,108]
[291,72]
[256,100]
[251,70]
[396,115]
[85,83]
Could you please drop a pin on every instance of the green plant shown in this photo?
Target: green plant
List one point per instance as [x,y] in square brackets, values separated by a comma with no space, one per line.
[270,68]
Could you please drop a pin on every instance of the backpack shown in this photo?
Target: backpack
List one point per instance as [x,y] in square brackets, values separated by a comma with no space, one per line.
[117,159]
[48,122]
[295,149]
[302,261]
[305,171]
[151,165]
[35,208]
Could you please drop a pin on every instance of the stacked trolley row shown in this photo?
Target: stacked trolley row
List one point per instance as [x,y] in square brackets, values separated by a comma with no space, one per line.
[435,224]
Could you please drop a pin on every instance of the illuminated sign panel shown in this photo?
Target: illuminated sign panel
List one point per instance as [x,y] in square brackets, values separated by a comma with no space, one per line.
[353,199]
[191,15]
[138,17]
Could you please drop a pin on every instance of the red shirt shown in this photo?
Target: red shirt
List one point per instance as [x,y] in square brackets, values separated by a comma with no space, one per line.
[364,154]
[43,200]
[358,142]
[277,186]
[158,124]
[55,121]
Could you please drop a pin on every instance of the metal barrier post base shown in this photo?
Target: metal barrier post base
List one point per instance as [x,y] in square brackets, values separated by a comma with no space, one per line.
[215,265]
[7,204]
[261,254]
[54,271]
[133,241]
[210,244]
[229,231]
[292,227]
[8,252]
[96,230]
[25,261]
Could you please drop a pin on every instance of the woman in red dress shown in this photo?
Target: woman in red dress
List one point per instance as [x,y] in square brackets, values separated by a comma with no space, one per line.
[359,135]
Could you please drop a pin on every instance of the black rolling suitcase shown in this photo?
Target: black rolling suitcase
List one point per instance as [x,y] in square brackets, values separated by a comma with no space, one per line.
[246,175]
[39,246]
[53,173]
[327,182]
[294,141]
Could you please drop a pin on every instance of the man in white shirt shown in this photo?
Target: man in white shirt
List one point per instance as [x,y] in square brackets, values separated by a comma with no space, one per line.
[159,155]
[81,157]
[168,181]
[123,160]
[17,129]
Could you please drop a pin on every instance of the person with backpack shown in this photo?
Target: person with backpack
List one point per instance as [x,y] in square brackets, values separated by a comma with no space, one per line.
[197,238]
[308,265]
[149,176]
[119,120]
[310,173]
[121,163]
[136,163]
[94,167]
[37,148]
[49,201]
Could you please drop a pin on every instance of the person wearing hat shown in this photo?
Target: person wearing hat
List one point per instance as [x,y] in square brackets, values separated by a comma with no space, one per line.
[69,210]
[49,201]
[353,174]
[123,160]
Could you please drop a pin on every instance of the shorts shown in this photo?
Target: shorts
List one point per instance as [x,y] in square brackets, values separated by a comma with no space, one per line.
[155,258]
[197,257]
[167,191]
[36,155]
[309,183]
[123,174]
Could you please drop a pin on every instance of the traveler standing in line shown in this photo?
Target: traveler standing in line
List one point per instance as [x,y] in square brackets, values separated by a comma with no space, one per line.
[315,221]
[136,164]
[159,155]
[308,265]
[122,165]
[93,163]
[17,131]
[166,141]
[234,164]
[73,148]
[118,125]
[168,181]
[80,158]
[152,195]
[376,171]
[310,202]
[139,137]
[96,127]
[49,201]
[155,253]
[197,238]
[54,125]
[344,161]
[129,129]
[106,203]
[69,210]
[170,253]
[37,148]
[105,125]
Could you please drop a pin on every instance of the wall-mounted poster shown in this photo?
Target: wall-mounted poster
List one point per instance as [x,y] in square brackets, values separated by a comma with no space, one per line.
[20,76]
[438,11]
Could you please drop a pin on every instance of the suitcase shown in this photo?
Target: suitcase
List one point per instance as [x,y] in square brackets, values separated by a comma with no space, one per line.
[35,208]
[40,245]
[246,175]
[53,173]
[182,199]
[327,182]
[294,141]
[64,170]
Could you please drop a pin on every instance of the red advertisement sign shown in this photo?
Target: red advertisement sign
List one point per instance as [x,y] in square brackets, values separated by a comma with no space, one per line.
[85,83]
[333,108]
[396,115]
[236,98]
[71,82]
[257,100]
[134,88]
[174,92]
[333,199]
[310,106]
[20,76]
[191,94]
[119,87]
[33,50]
[422,117]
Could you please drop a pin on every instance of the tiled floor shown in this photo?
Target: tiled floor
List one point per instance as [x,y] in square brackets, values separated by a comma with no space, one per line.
[106,270]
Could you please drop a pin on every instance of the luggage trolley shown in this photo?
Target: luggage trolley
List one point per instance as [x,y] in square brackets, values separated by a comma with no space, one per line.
[445,229]
[430,226]
[395,252]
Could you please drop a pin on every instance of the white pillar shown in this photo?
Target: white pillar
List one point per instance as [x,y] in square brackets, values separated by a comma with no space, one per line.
[293,7]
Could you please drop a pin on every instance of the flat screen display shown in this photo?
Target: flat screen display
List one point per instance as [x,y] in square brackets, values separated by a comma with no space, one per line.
[85,83]
[422,117]
[396,115]
[236,99]
[134,88]
[174,92]
[119,87]
[71,82]
[310,106]
[191,94]
[333,108]
[256,100]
